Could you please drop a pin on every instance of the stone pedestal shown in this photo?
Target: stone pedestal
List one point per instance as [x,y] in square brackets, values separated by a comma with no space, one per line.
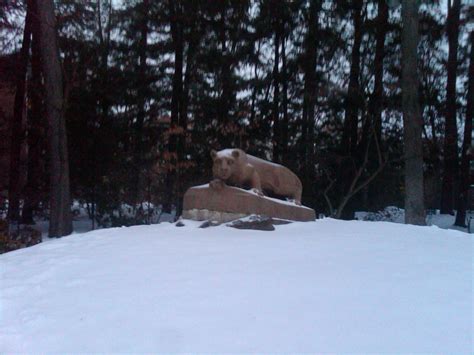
[229,203]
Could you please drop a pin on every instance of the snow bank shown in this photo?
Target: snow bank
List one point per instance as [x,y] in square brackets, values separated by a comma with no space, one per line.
[397,215]
[324,286]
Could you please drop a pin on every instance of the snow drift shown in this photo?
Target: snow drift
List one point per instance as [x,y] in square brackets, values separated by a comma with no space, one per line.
[324,286]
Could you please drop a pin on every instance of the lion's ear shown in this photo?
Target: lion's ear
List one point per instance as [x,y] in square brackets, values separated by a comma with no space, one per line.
[213,154]
[235,153]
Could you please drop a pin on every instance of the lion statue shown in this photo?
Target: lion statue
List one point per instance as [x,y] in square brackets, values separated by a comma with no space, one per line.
[235,167]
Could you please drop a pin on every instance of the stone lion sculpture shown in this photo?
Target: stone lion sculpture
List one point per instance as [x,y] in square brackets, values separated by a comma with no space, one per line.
[235,167]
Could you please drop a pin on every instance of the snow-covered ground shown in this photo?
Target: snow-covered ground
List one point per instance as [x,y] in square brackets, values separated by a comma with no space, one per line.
[323,286]
[397,215]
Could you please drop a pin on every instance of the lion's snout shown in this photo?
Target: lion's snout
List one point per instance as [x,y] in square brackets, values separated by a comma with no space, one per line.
[224,174]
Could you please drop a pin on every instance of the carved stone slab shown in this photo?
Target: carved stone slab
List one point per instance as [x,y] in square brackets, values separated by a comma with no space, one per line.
[201,202]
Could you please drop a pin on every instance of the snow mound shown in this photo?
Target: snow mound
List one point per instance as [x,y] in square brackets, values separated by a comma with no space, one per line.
[397,215]
[388,214]
[324,286]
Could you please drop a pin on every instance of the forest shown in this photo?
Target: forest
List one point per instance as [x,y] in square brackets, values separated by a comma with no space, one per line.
[119,103]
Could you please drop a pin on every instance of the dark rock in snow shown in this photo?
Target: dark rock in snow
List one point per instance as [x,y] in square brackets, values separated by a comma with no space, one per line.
[261,223]
[209,224]
[277,221]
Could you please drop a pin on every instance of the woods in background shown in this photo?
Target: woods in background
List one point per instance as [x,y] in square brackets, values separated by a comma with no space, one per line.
[344,93]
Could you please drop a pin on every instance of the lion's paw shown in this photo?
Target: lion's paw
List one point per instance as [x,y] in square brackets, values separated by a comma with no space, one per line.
[296,202]
[258,192]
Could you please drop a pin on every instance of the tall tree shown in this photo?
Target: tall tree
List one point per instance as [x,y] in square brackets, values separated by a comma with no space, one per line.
[450,135]
[60,221]
[466,155]
[142,97]
[191,22]
[412,123]
[377,96]
[284,126]
[177,35]
[35,127]
[18,119]
[309,94]
[222,24]
[351,120]
[277,28]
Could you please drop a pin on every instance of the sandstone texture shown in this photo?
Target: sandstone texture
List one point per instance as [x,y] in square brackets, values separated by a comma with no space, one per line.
[229,203]
[240,169]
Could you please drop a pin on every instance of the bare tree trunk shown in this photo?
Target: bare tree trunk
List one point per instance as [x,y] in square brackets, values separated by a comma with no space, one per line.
[14,187]
[177,91]
[309,97]
[60,222]
[351,119]
[194,36]
[376,104]
[284,127]
[228,135]
[465,157]
[276,88]
[450,135]
[104,42]
[142,69]
[412,123]
[254,91]
[372,128]
[35,127]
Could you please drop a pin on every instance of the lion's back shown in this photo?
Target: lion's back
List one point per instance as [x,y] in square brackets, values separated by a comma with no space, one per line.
[275,177]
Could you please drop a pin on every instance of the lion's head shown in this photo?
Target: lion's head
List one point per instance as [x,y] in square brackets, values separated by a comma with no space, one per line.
[224,163]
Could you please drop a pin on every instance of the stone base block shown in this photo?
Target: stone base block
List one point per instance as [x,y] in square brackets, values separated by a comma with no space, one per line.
[206,215]
[229,203]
